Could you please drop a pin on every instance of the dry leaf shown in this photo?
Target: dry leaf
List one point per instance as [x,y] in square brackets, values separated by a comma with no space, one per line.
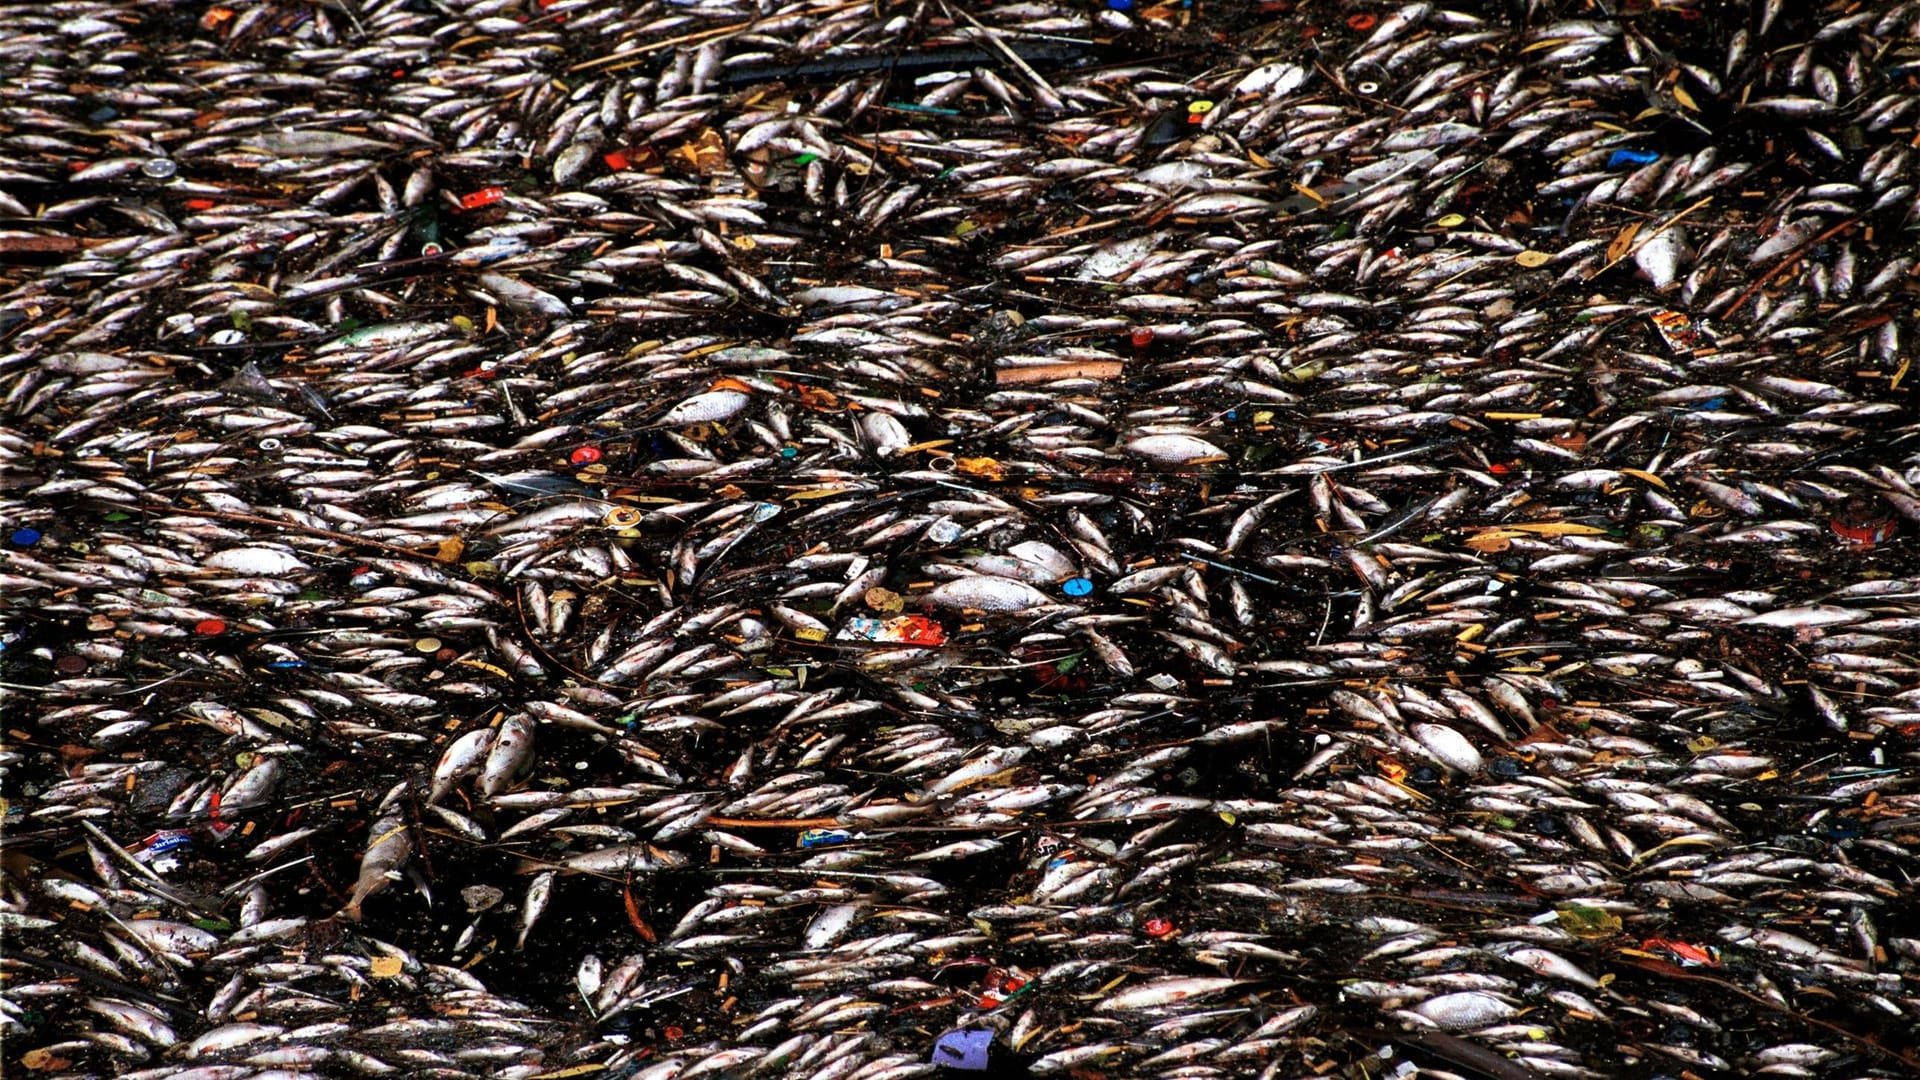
[1623,242]
[449,550]
[40,1059]
[386,967]
[1491,542]
[812,397]
[980,466]
[705,153]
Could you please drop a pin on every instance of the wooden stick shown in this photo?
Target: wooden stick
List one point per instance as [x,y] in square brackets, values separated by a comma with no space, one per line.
[1049,97]
[615,59]
[1651,237]
[1792,256]
[255,519]
[775,823]
[645,50]
[1088,369]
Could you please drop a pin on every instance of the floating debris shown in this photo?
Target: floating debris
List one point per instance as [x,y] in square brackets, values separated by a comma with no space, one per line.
[694,540]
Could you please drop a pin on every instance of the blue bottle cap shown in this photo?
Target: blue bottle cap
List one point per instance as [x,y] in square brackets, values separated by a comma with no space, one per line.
[964,1049]
[1078,586]
[26,537]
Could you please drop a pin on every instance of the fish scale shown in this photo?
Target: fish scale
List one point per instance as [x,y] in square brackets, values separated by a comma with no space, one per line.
[727,523]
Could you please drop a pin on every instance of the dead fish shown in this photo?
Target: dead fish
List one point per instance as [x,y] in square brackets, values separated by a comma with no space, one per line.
[811,485]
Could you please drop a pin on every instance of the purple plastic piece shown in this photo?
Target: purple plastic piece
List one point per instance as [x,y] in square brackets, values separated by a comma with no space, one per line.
[964,1049]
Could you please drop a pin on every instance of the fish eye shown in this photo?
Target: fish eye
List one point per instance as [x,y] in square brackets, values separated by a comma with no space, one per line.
[1368,87]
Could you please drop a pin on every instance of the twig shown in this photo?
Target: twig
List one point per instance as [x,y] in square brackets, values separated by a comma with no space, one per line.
[616,59]
[1651,237]
[1671,971]
[1792,257]
[154,883]
[775,823]
[1189,557]
[1461,1052]
[644,50]
[1049,97]
[1085,369]
[167,1003]
[310,530]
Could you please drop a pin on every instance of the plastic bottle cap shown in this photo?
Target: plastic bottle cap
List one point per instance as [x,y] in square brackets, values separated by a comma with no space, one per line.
[1199,107]
[427,645]
[1078,586]
[70,665]
[26,537]
[210,627]
[586,455]
[159,168]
